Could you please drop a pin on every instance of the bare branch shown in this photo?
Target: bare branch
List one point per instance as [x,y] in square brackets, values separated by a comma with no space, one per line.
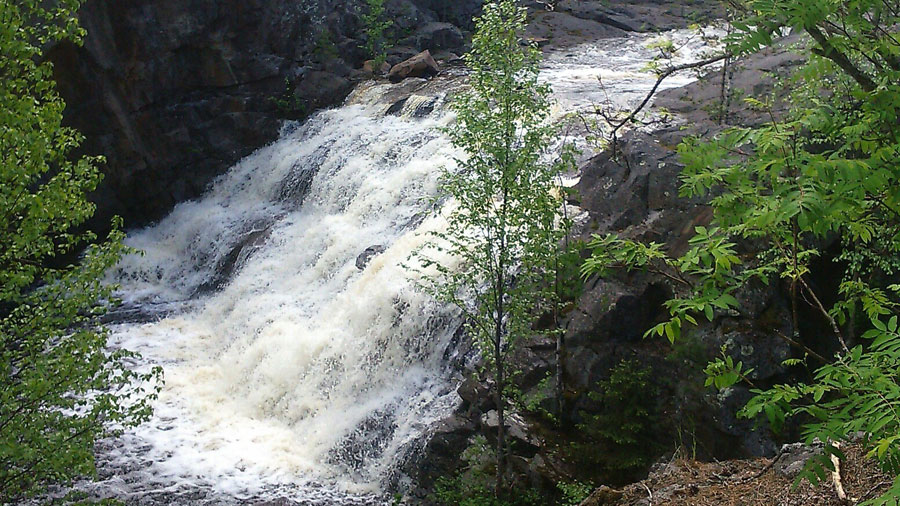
[659,80]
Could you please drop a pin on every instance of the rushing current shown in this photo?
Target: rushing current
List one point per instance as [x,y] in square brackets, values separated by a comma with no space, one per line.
[300,361]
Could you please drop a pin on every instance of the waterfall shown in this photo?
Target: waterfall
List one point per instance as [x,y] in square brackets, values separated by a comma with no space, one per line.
[299,358]
[285,362]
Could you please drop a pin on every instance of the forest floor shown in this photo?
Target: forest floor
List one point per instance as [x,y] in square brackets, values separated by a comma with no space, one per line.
[757,482]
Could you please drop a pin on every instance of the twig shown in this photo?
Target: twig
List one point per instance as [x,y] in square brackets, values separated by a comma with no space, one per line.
[649,493]
[762,471]
[836,476]
[801,346]
[875,488]
[834,325]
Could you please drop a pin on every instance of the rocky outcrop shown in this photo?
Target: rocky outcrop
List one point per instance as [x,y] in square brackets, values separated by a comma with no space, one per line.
[633,192]
[567,23]
[643,16]
[173,92]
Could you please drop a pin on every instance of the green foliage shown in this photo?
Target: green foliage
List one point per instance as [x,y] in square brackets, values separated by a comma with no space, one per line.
[573,493]
[570,284]
[532,401]
[375,27]
[665,46]
[825,170]
[615,441]
[495,258]
[472,486]
[724,372]
[857,393]
[289,103]
[325,48]
[59,389]
[462,491]
[705,273]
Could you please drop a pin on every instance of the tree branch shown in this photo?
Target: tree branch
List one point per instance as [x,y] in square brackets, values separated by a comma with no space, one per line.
[659,80]
[827,50]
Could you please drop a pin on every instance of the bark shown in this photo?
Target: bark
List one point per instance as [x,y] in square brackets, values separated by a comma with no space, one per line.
[827,50]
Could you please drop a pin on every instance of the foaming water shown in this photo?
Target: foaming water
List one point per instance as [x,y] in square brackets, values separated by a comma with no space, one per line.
[291,365]
[614,72]
[295,367]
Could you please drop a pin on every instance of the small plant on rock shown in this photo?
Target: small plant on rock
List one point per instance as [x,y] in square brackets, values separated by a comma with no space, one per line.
[375,27]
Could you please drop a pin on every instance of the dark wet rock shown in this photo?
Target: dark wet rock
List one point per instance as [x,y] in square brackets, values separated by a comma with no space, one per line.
[366,256]
[424,107]
[475,395]
[228,266]
[397,107]
[296,185]
[562,29]
[447,57]
[420,65]
[748,77]
[440,455]
[518,432]
[459,13]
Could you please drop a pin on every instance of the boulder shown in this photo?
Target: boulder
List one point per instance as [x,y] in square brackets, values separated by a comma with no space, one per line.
[420,65]
[445,57]
[366,256]
[517,430]
[793,458]
[320,88]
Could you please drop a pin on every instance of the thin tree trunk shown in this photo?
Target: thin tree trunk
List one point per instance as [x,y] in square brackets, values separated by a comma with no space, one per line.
[498,363]
[560,376]
[501,418]
[560,347]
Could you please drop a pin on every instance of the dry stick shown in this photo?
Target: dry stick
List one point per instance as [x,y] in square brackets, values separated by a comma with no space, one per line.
[668,72]
[834,325]
[802,346]
[649,493]
[836,476]
[762,471]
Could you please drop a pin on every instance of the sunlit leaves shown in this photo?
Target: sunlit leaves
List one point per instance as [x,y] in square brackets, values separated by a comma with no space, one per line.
[60,389]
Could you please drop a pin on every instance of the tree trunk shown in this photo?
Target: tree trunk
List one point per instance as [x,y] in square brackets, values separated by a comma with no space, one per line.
[560,346]
[501,418]
[560,373]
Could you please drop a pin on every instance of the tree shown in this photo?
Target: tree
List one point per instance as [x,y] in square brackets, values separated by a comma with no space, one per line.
[494,259]
[824,173]
[374,26]
[60,390]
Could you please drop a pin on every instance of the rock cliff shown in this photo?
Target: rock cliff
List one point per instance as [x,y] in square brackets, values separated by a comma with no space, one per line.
[173,92]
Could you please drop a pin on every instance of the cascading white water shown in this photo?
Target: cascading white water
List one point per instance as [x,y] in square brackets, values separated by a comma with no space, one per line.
[302,367]
[289,370]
